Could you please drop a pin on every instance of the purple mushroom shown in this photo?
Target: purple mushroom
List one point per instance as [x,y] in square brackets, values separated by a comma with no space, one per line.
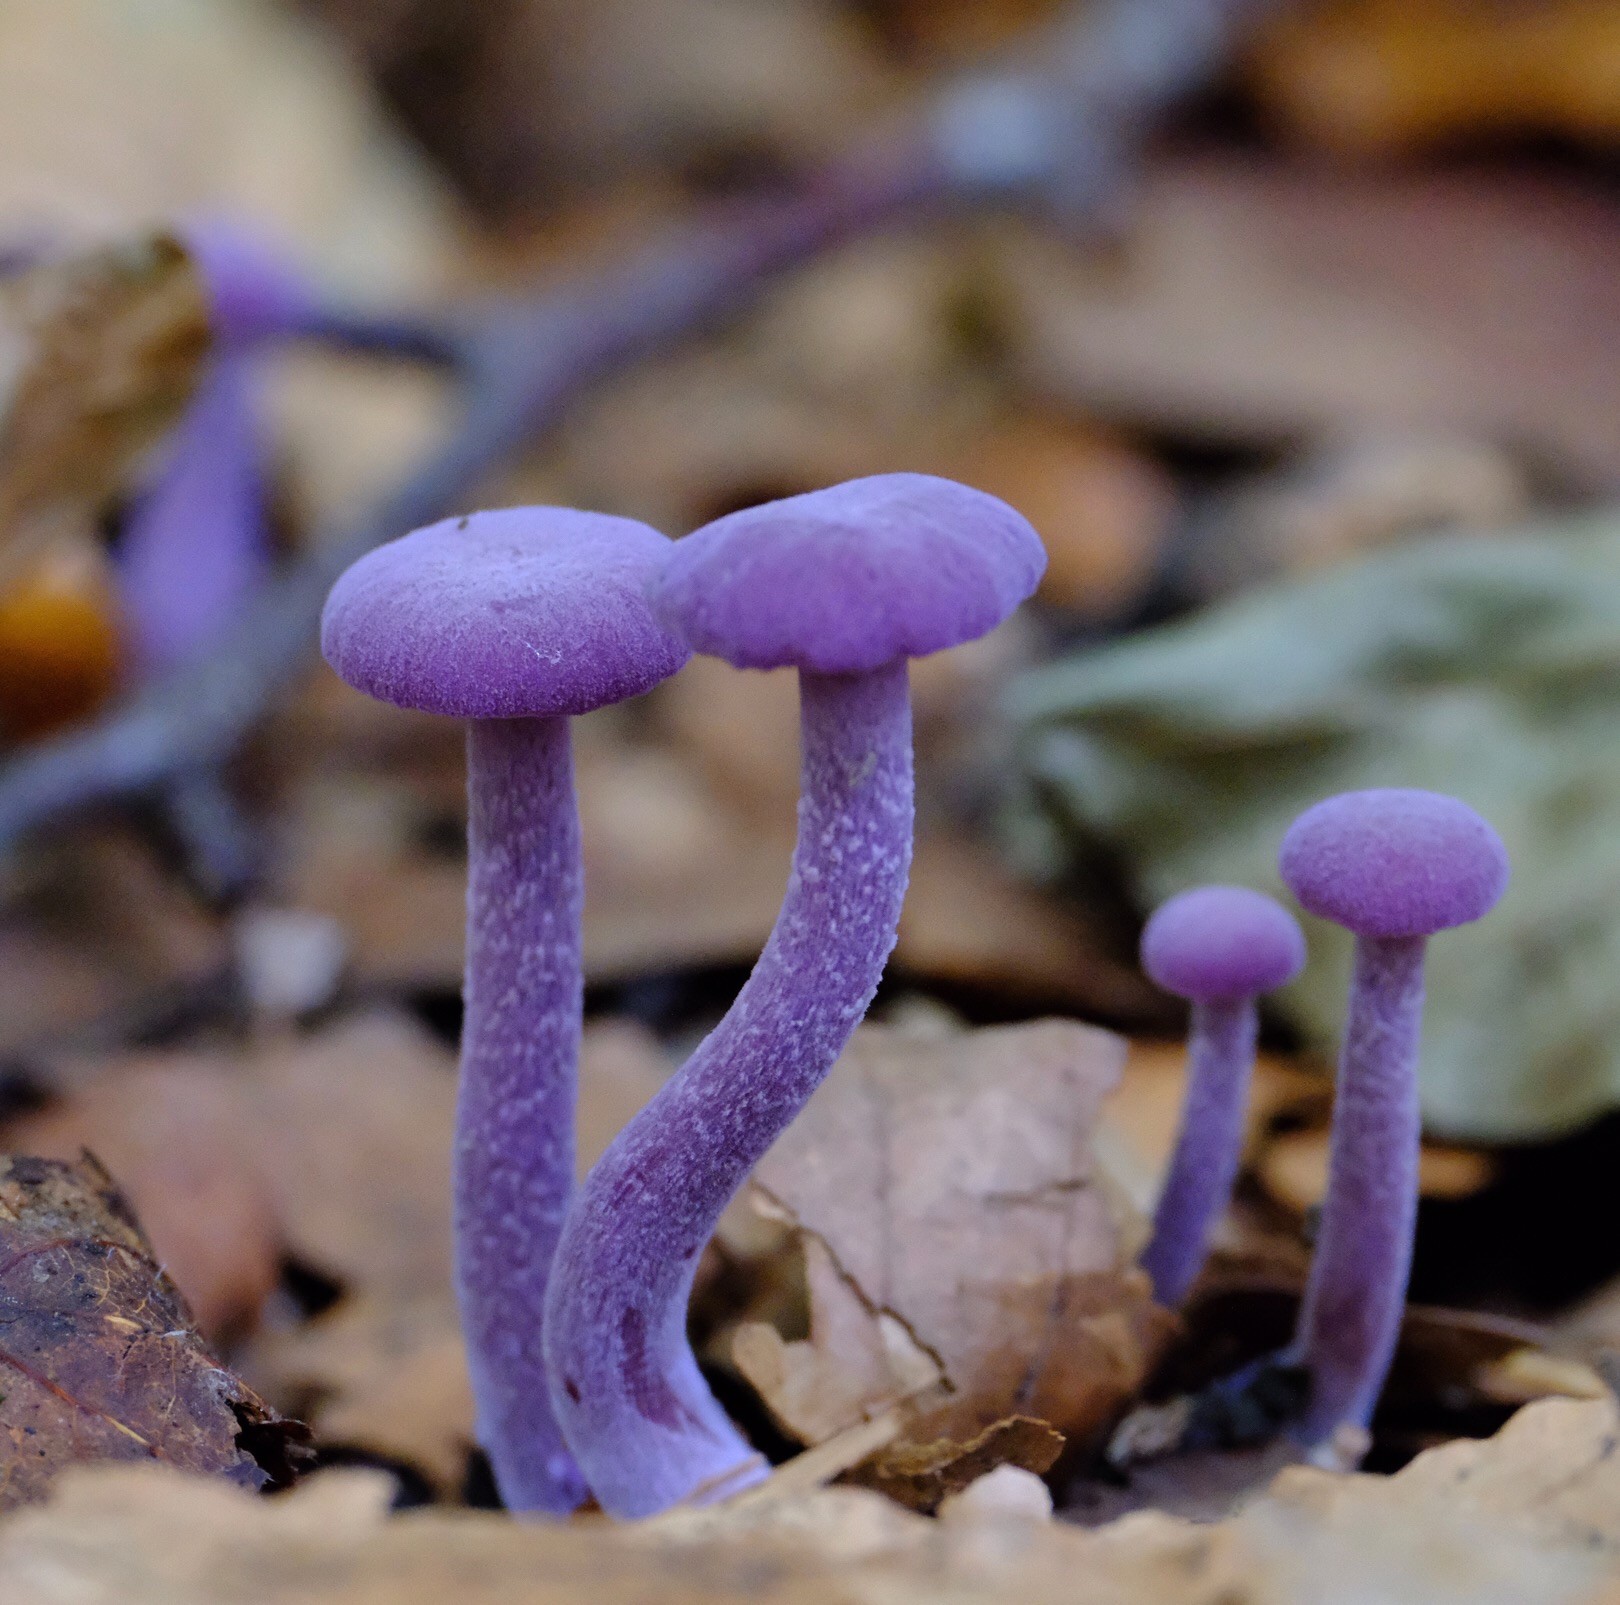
[514,621]
[1219,947]
[845,585]
[195,546]
[1394,867]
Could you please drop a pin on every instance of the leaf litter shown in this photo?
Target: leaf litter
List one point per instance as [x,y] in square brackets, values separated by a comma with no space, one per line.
[1531,1517]
[99,1357]
[965,1254]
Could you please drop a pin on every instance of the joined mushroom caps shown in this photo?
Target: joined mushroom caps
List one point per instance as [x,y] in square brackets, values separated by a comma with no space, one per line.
[512,620]
[843,584]
[1393,866]
[1219,947]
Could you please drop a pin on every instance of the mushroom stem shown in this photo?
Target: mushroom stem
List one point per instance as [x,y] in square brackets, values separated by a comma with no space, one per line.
[1351,1318]
[195,548]
[514,1146]
[637,1413]
[1209,1147]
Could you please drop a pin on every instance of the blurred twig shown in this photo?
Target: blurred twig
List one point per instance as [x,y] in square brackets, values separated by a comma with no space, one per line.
[1055,126]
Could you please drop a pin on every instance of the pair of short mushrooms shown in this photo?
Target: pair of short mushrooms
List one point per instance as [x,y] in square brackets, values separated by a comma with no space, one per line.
[574,1303]
[1394,867]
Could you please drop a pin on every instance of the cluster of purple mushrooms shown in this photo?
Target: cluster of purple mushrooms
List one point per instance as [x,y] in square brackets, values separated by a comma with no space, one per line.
[573,1300]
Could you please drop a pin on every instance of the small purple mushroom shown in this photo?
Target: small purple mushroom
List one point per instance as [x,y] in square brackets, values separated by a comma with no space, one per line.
[1219,947]
[845,585]
[195,546]
[514,621]
[1394,867]
[254,293]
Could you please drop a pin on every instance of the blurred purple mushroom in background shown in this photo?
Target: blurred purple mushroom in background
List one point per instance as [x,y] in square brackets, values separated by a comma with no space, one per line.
[1394,867]
[1219,947]
[195,546]
[845,585]
[513,620]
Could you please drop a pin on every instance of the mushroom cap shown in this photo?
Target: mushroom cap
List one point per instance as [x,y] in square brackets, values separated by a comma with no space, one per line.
[845,580]
[520,613]
[1394,862]
[1219,942]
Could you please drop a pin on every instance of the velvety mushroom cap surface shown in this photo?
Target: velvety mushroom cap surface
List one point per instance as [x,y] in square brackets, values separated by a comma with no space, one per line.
[1394,863]
[845,580]
[1222,942]
[524,612]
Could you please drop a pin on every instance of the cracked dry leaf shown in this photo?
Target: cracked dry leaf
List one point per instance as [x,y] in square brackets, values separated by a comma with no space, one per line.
[99,1359]
[99,353]
[963,1250]
[1531,1517]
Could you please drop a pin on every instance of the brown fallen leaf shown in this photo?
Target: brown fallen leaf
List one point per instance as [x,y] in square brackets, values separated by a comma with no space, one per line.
[523,99]
[1351,496]
[1386,76]
[1531,1517]
[117,112]
[963,1248]
[98,939]
[174,1136]
[99,1359]
[99,354]
[1262,301]
[921,1476]
[1104,511]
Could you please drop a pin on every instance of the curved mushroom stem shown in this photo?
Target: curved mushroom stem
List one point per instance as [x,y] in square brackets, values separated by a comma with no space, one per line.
[514,1148]
[637,1413]
[195,548]
[1203,1170]
[1351,1318]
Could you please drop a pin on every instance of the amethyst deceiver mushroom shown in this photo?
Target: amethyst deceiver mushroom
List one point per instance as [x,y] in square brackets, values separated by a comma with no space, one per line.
[1219,947]
[1394,867]
[515,621]
[845,585]
[195,547]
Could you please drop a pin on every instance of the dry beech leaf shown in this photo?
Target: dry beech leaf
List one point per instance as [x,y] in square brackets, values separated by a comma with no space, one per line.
[98,355]
[1383,76]
[1260,302]
[99,1359]
[921,1476]
[963,1249]
[1104,511]
[114,113]
[98,935]
[174,1135]
[1531,1517]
